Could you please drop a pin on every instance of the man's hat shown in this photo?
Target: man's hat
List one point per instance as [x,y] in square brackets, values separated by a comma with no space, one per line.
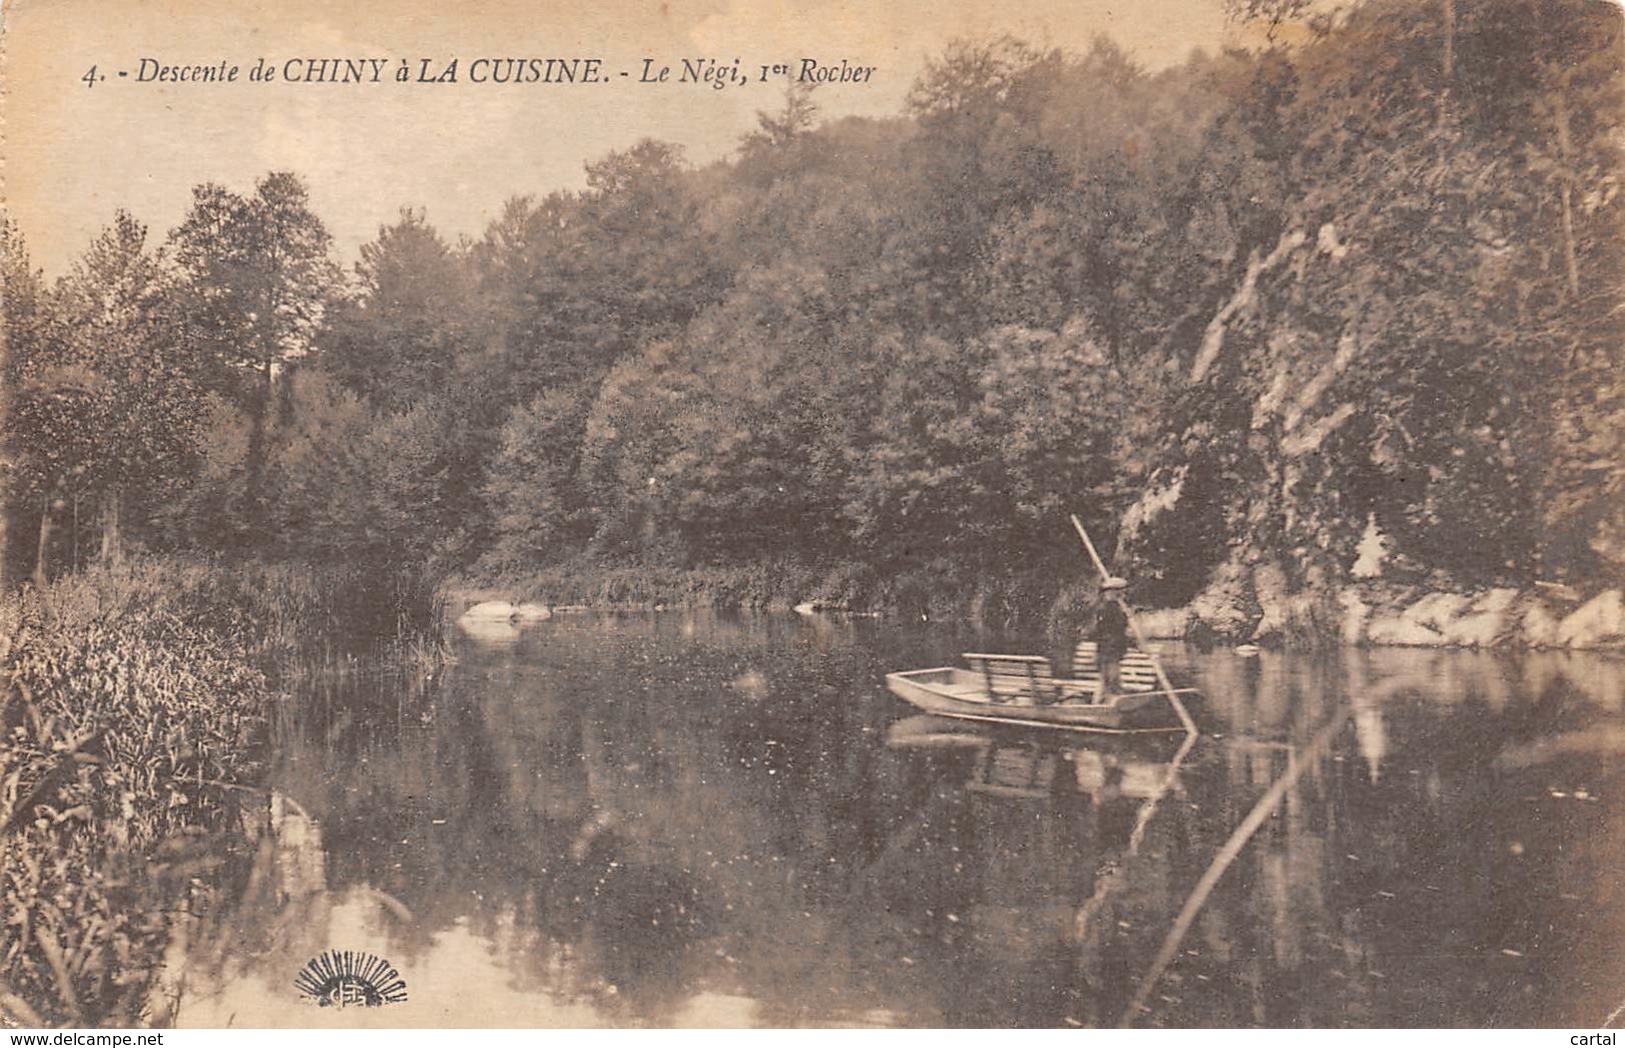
[1114,583]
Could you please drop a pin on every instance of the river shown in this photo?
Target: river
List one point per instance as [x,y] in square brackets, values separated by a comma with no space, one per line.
[723,819]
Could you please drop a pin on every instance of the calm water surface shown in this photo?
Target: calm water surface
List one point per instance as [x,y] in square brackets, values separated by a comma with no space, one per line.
[717,819]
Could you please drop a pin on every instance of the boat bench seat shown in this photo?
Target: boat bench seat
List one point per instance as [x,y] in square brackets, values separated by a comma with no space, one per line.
[1139,673]
[1013,677]
[1085,680]
[1031,678]
[1136,670]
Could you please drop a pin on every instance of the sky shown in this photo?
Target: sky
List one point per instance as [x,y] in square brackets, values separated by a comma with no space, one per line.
[76,153]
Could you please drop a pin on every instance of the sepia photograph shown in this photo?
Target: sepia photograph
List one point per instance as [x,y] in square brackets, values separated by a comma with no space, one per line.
[812,513]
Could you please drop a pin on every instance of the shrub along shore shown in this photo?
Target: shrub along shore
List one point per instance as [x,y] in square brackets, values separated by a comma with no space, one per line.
[1376,612]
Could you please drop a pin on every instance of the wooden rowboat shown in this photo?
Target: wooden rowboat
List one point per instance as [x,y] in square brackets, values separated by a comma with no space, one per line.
[1022,690]
[948,691]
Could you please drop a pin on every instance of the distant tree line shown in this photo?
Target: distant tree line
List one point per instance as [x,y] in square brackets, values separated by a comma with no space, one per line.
[1235,313]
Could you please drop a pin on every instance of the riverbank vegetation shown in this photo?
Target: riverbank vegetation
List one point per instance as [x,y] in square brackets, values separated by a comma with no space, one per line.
[934,588]
[1272,321]
[135,703]
[132,727]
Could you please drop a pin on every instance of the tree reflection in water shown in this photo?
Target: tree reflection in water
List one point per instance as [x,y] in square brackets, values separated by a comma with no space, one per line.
[658,820]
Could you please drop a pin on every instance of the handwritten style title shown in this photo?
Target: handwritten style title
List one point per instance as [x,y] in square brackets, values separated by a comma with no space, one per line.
[715,73]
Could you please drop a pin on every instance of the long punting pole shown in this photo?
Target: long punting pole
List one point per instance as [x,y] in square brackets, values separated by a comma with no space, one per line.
[1185,717]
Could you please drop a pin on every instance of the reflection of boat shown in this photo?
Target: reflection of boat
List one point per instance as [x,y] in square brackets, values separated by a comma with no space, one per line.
[925,732]
[1015,764]
[977,695]
[1023,772]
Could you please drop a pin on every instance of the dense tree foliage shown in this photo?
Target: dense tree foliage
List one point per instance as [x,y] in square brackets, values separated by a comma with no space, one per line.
[105,408]
[1235,313]
[253,278]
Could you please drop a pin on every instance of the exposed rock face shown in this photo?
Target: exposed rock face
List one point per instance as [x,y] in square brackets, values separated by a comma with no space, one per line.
[1227,607]
[1488,620]
[1539,625]
[1424,624]
[1451,620]
[1164,623]
[1598,622]
[1270,583]
[1356,615]
[1230,608]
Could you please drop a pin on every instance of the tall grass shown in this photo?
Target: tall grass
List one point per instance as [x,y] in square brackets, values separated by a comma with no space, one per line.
[134,704]
[131,735]
[281,610]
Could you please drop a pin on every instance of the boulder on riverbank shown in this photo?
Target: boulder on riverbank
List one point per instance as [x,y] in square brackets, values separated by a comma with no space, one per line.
[500,619]
[490,611]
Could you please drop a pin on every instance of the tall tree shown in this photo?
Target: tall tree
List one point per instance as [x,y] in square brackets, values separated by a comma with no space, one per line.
[24,311]
[397,340]
[107,403]
[255,279]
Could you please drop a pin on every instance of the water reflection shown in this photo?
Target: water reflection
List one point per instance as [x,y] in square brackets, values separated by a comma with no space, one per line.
[724,820]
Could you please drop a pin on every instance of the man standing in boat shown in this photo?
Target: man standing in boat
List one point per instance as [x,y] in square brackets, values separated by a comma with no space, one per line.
[1111,634]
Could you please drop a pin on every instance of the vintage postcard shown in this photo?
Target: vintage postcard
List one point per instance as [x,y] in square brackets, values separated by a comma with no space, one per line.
[812,513]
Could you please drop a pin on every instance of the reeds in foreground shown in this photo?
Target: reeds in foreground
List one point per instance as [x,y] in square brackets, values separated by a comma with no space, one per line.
[133,708]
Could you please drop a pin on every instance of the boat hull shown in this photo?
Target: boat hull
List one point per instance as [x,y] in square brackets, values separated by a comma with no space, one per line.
[951,692]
